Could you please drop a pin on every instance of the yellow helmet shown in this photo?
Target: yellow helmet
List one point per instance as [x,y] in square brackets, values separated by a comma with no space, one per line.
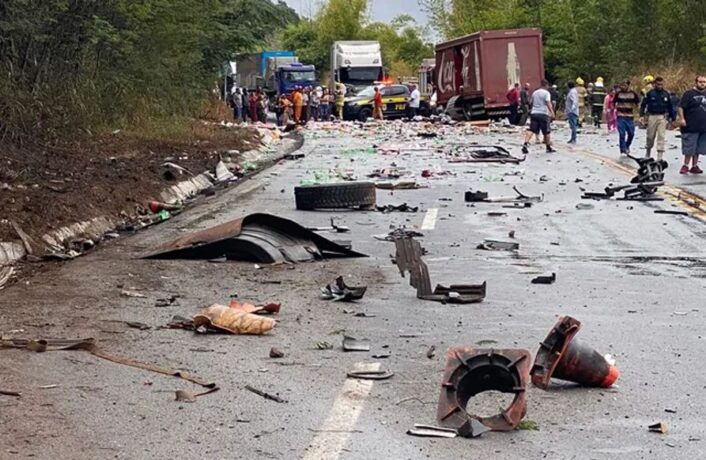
[579,81]
[599,80]
[648,79]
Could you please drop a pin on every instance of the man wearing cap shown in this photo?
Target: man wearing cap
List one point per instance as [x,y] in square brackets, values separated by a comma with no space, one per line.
[626,102]
[596,100]
[582,99]
[658,110]
[692,121]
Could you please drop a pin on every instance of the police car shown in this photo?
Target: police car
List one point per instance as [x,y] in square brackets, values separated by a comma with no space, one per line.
[394,103]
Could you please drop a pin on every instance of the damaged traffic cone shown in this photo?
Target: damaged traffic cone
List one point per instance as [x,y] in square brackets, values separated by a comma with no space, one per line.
[562,356]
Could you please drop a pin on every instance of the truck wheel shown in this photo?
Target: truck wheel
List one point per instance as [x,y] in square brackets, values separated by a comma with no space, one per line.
[365,113]
[335,196]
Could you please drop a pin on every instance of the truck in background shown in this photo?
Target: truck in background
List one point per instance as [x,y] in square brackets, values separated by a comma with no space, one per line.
[474,73]
[356,64]
[276,72]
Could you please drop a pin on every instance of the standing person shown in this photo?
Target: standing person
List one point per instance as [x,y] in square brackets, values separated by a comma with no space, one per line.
[597,100]
[648,81]
[246,105]
[252,103]
[377,104]
[262,103]
[340,99]
[583,92]
[513,98]
[285,105]
[525,104]
[298,101]
[626,102]
[237,105]
[692,121]
[554,92]
[609,110]
[414,101]
[325,114]
[572,110]
[306,111]
[316,96]
[658,109]
[541,115]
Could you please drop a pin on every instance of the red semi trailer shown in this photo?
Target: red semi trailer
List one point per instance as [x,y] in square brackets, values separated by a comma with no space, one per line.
[475,72]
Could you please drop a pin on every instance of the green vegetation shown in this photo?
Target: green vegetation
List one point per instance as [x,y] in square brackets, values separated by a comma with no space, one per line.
[76,65]
[403,41]
[590,38]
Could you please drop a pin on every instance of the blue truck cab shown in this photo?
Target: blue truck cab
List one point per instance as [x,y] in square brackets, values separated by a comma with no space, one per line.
[290,76]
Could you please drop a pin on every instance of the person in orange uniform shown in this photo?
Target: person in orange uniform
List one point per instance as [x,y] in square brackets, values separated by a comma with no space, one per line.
[298,100]
[377,104]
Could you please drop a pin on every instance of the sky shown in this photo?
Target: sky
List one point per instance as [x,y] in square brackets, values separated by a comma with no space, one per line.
[382,10]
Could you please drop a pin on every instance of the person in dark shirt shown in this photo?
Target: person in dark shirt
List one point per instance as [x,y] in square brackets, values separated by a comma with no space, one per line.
[513,98]
[626,103]
[657,108]
[692,121]
[596,99]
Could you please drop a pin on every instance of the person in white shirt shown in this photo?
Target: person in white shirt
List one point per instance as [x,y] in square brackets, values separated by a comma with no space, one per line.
[414,100]
[541,116]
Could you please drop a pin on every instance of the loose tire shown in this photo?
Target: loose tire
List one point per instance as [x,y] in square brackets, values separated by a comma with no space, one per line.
[335,196]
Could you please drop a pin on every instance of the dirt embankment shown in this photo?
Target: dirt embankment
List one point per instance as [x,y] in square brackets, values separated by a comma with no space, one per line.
[46,187]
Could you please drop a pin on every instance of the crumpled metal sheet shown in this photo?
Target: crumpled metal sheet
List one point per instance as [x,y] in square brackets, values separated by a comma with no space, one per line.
[260,238]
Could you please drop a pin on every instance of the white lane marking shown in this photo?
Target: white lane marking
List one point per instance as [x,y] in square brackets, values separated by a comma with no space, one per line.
[429,222]
[331,438]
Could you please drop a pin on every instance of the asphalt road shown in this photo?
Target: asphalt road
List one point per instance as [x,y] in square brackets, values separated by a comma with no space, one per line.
[634,278]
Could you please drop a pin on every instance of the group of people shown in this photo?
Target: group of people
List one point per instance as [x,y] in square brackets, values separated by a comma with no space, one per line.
[303,105]
[657,108]
[249,105]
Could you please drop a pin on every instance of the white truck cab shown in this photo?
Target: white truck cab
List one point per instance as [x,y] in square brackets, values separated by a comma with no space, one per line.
[356,64]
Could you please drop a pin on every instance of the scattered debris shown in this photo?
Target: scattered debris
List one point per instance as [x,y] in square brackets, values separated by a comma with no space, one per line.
[562,357]
[584,206]
[89,345]
[294,156]
[457,153]
[132,294]
[370,375]
[265,395]
[333,228]
[529,425]
[431,352]
[233,320]
[485,342]
[10,393]
[188,396]
[399,185]
[409,259]
[474,197]
[353,344]
[495,245]
[659,427]
[671,212]
[642,187]
[166,301]
[339,291]
[157,207]
[545,279]
[471,371]
[260,238]
[398,233]
[276,353]
[324,346]
[138,325]
[396,208]
[430,431]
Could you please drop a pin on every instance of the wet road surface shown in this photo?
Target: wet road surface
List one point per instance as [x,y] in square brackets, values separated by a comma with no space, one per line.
[634,278]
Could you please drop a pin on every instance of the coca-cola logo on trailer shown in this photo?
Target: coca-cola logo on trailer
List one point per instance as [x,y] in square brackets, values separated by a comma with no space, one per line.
[447,77]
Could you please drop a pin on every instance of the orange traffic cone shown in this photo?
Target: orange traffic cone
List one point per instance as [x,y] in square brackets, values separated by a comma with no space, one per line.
[563,357]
